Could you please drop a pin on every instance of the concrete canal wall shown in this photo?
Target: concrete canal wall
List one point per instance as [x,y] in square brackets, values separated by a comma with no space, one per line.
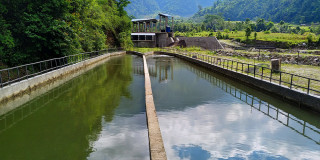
[28,89]
[156,146]
[302,99]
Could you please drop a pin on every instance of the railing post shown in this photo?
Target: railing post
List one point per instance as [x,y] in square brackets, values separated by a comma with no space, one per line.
[270,75]
[291,81]
[1,80]
[242,67]
[280,79]
[237,67]
[248,69]
[262,73]
[8,75]
[231,64]
[27,74]
[254,71]
[18,73]
[308,86]
[33,69]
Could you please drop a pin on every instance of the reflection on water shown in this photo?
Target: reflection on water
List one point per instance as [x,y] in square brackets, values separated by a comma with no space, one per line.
[98,115]
[205,116]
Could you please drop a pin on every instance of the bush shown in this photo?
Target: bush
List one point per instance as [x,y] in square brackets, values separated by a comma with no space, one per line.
[310,37]
[266,32]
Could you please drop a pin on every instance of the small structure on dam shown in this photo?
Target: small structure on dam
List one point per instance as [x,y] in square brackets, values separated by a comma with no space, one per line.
[150,33]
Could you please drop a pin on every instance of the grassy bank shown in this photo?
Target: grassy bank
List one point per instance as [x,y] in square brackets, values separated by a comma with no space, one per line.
[292,39]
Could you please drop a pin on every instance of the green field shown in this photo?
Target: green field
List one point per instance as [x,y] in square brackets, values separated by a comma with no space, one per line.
[271,37]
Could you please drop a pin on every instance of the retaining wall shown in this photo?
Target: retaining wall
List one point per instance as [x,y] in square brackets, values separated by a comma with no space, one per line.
[302,99]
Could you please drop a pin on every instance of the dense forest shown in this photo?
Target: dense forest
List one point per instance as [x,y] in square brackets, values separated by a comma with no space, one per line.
[150,8]
[33,30]
[293,11]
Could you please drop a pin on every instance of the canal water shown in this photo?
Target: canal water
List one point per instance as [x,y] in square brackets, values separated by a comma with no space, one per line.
[98,115]
[204,115]
[101,115]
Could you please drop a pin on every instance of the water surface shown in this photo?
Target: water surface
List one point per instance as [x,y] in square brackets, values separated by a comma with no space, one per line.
[98,115]
[203,115]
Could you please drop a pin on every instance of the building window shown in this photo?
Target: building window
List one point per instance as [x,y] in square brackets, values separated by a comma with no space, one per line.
[134,38]
[142,37]
[149,38]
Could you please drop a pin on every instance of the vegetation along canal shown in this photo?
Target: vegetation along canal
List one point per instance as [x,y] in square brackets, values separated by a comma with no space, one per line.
[203,115]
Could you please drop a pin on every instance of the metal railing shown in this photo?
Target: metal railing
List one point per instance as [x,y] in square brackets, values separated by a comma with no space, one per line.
[19,73]
[289,80]
[289,120]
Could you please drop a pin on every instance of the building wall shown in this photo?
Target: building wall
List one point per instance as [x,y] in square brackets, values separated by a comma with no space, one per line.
[144,44]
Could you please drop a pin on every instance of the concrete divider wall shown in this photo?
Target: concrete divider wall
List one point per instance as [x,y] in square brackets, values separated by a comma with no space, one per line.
[26,86]
[156,146]
[302,99]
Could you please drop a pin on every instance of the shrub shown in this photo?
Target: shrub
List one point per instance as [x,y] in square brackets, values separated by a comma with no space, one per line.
[266,32]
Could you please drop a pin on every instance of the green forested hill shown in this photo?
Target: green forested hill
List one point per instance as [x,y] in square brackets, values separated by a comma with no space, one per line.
[149,8]
[33,30]
[295,11]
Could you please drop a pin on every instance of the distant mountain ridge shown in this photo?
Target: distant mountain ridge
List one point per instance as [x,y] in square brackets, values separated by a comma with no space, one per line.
[294,11]
[150,8]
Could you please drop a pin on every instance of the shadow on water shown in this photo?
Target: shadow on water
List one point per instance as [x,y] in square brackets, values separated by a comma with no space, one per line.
[65,122]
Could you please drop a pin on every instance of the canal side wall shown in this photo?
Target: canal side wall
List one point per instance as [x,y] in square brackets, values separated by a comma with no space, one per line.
[303,99]
[156,146]
[39,84]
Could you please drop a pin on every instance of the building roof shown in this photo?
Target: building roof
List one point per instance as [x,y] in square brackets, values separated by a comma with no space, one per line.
[143,34]
[164,15]
[145,20]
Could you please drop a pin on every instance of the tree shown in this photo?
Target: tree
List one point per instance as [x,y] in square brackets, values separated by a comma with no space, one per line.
[200,7]
[247,20]
[261,25]
[281,22]
[121,5]
[270,24]
[310,37]
[255,36]
[248,33]
[214,22]
[36,30]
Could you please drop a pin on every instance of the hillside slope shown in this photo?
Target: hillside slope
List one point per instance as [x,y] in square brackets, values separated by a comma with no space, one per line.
[295,11]
[150,8]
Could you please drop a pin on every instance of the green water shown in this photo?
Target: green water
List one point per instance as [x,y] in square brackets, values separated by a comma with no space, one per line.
[98,115]
[203,115]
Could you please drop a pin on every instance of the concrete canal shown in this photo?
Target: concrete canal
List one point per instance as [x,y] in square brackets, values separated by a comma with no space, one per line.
[202,115]
[98,115]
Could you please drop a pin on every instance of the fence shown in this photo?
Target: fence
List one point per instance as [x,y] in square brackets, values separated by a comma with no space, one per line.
[292,81]
[19,73]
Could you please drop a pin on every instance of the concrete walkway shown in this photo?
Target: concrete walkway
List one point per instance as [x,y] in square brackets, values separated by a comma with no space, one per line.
[156,147]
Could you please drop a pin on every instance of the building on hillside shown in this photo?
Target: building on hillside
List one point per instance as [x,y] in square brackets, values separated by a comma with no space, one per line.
[150,33]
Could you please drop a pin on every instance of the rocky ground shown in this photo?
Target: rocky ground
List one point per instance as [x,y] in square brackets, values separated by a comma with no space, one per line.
[289,59]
